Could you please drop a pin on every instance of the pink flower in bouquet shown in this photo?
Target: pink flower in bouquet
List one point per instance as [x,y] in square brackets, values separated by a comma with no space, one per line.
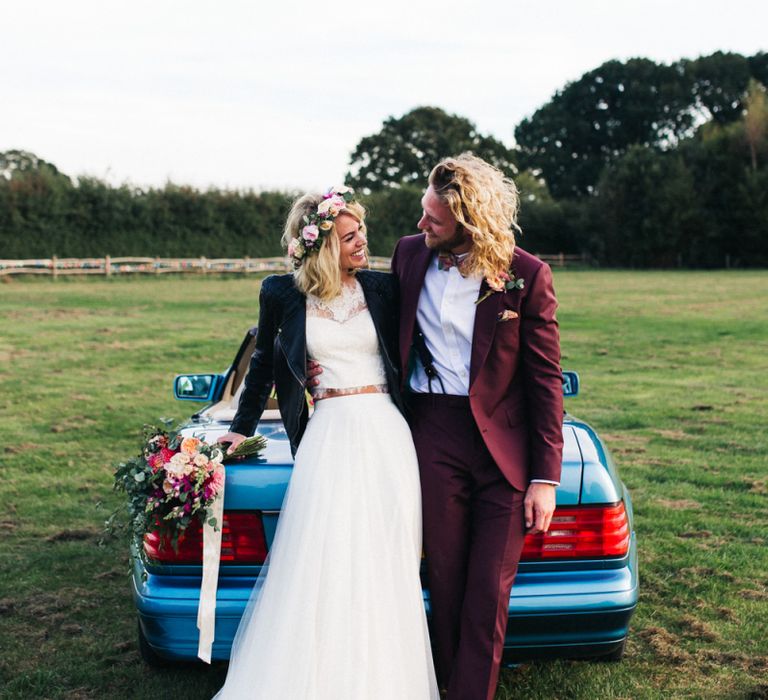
[200,460]
[166,454]
[168,487]
[155,461]
[179,466]
[217,481]
[189,445]
[210,465]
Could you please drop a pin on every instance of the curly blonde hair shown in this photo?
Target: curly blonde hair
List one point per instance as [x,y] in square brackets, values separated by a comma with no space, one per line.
[485,202]
[319,273]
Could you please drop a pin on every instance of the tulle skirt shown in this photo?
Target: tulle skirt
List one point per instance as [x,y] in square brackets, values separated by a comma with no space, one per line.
[339,613]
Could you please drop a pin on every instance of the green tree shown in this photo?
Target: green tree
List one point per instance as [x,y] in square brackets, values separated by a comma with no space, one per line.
[645,202]
[16,163]
[731,198]
[35,199]
[392,213]
[717,84]
[408,147]
[594,120]
[548,226]
[758,67]
[755,120]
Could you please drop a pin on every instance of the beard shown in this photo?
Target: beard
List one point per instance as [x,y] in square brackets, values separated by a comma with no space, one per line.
[458,238]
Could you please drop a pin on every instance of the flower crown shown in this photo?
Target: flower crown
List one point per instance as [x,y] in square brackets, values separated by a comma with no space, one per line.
[318,224]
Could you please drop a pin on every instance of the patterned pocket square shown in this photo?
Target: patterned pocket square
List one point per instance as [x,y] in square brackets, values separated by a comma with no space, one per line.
[508,314]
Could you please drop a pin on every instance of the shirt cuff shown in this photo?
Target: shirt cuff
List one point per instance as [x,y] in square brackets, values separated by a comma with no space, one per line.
[545,481]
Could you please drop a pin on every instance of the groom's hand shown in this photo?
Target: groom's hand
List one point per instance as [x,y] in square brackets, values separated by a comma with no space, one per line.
[313,369]
[539,507]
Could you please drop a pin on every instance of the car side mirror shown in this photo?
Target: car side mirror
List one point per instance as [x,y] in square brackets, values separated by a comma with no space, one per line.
[570,384]
[194,387]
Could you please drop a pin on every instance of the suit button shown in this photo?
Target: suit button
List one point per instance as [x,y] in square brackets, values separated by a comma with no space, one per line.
[484,430]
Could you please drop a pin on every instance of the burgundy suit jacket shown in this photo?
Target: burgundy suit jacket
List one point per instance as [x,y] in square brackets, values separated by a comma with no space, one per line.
[515,381]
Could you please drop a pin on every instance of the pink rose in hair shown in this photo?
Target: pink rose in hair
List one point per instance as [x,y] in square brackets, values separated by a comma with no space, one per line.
[310,233]
[331,206]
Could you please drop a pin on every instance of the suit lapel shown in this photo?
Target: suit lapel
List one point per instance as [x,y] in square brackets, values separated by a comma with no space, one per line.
[411,283]
[486,320]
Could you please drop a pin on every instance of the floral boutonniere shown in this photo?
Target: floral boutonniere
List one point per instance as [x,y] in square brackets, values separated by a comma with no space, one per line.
[503,282]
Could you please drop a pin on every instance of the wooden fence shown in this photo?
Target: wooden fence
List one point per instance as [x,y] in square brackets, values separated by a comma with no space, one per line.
[108,265]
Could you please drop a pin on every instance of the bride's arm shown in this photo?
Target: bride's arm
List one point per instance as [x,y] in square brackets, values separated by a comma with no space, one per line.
[260,377]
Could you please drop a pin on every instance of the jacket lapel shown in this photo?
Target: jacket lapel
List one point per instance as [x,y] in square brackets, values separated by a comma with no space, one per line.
[486,320]
[411,283]
[376,308]
[372,300]
[293,325]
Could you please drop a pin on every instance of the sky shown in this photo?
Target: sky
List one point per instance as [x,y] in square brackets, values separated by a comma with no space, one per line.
[239,94]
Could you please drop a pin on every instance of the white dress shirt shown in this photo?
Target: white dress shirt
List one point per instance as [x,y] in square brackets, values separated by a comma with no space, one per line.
[446,315]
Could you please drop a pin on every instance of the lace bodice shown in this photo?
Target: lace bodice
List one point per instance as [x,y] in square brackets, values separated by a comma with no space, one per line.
[342,338]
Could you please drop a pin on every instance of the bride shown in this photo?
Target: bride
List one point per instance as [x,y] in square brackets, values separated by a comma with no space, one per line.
[339,614]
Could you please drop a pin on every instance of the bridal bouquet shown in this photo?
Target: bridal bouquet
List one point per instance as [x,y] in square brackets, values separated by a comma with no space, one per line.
[175,480]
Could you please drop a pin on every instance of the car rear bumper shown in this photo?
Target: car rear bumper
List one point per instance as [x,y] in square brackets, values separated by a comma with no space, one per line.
[563,614]
[580,613]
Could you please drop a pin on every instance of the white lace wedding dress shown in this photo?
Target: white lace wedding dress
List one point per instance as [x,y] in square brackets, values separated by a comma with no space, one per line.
[339,614]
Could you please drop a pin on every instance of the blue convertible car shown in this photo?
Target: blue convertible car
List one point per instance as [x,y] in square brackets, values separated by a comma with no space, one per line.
[574,594]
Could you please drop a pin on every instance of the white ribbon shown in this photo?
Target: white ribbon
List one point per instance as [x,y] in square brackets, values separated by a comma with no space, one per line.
[206,611]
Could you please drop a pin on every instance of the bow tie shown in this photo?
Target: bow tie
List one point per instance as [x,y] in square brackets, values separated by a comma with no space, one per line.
[446,260]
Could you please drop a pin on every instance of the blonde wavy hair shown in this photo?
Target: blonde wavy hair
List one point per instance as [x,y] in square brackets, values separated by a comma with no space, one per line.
[485,202]
[319,273]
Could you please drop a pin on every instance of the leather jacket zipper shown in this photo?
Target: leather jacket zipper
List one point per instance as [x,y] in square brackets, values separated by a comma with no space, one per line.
[302,384]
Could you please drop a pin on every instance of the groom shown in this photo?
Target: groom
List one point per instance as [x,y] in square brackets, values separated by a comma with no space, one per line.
[480,353]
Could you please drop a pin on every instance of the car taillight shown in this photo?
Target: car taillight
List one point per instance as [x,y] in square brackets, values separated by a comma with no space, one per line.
[242,542]
[582,532]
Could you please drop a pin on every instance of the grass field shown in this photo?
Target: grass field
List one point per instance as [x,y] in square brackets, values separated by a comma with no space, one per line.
[674,374]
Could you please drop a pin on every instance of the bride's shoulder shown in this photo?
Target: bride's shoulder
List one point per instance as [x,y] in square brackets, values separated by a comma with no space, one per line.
[383,283]
[280,294]
[277,285]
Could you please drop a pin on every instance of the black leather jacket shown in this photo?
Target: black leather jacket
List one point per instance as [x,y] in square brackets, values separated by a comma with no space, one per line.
[281,350]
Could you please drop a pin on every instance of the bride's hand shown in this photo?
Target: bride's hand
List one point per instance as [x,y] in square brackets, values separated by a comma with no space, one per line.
[233,438]
[313,369]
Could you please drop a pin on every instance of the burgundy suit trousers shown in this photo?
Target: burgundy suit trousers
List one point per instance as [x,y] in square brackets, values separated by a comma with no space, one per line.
[474,527]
